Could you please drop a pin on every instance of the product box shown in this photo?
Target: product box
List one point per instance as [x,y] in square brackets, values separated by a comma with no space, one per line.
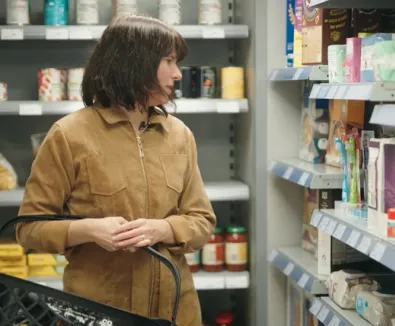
[46,259]
[365,21]
[353,60]
[344,115]
[14,262]
[367,55]
[321,28]
[387,20]
[46,270]
[289,46]
[11,250]
[298,33]
[19,272]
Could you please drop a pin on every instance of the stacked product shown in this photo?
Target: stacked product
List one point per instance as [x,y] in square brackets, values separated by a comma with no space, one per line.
[13,260]
[170,11]
[46,264]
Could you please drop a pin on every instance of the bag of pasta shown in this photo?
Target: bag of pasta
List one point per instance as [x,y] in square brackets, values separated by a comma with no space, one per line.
[8,177]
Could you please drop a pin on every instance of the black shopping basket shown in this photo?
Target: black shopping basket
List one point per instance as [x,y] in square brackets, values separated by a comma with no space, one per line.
[28,303]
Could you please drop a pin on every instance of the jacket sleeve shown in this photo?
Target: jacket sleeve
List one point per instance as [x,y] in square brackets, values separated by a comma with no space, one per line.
[195,223]
[47,189]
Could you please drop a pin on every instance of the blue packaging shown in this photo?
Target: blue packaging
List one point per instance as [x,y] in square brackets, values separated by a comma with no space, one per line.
[56,12]
[367,52]
[290,30]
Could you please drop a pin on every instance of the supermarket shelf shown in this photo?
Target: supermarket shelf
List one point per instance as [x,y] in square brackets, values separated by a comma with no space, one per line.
[202,280]
[376,92]
[354,232]
[383,115]
[216,191]
[303,73]
[76,32]
[352,4]
[330,314]
[301,267]
[309,175]
[181,106]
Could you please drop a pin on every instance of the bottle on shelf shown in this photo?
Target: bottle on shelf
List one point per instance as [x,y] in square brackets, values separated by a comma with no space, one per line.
[213,252]
[236,249]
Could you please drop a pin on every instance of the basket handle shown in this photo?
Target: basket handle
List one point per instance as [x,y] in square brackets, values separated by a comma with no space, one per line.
[163,259]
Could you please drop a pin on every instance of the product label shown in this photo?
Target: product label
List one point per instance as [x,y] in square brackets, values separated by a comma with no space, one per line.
[236,253]
[213,254]
[18,12]
[193,258]
[87,12]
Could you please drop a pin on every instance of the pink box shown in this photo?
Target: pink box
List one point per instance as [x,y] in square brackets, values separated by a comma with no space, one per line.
[353,60]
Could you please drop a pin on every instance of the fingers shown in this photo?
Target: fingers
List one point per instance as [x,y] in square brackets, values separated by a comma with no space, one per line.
[130,225]
[135,241]
[128,235]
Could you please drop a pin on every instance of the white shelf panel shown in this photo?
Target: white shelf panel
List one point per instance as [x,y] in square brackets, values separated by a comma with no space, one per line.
[216,191]
[309,175]
[303,73]
[202,281]
[352,4]
[376,92]
[76,32]
[181,106]
[383,115]
[355,232]
[330,314]
[301,267]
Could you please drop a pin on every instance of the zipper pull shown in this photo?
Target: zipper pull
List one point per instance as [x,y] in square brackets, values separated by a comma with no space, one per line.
[140,147]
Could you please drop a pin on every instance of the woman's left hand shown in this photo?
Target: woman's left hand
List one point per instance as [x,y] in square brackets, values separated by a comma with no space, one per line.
[141,233]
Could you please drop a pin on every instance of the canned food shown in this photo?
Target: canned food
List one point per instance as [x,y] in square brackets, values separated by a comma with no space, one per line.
[232,80]
[87,12]
[49,85]
[56,12]
[170,11]
[18,12]
[210,12]
[125,6]
[207,82]
[75,77]
[3,91]
[183,87]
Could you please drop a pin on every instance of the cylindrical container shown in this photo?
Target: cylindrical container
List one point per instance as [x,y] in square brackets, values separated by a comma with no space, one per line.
[49,85]
[224,318]
[193,260]
[170,11]
[183,87]
[74,84]
[87,12]
[210,12]
[213,252]
[56,12]
[232,80]
[3,91]
[391,223]
[125,6]
[236,248]
[63,84]
[18,12]
[207,82]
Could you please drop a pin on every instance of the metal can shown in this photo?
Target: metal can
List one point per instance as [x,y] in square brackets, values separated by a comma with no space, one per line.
[125,6]
[49,85]
[183,87]
[55,12]
[210,12]
[87,12]
[74,82]
[232,80]
[207,82]
[170,11]
[3,91]
[18,12]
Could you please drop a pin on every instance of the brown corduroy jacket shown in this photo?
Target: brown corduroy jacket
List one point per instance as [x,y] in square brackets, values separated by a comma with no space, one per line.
[90,165]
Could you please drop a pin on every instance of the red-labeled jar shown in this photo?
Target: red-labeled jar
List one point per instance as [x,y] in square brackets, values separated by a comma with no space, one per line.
[213,252]
[391,223]
[236,249]
[193,260]
[224,319]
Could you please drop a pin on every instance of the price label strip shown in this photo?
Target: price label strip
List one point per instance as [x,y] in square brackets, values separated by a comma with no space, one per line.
[289,268]
[378,252]
[315,307]
[335,321]
[213,33]
[331,227]
[316,218]
[365,245]
[324,312]
[297,74]
[303,280]
[341,228]
[12,34]
[273,255]
[303,179]
[353,238]
[324,223]
[288,173]
[30,109]
[228,107]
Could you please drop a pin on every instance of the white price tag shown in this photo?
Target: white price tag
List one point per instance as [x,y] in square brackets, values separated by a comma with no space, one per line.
[303,178]
[335,321]
[297,74]
[324,312]
[341,92]
[57,34]
[353,238]
[332,91]
[331,227]
[314,91]
[324,223]
[378,251]
[12,34]
[30,109]
[80,34]
[237,282]
[273,255]
[273,75]
[303,280]
[213,32]
[316,218]
[316,306]
[228,107]
[365,244]
[289,268]
[341,228]
[288,173]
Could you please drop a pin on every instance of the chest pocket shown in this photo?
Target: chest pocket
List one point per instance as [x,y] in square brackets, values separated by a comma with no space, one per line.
[174,169]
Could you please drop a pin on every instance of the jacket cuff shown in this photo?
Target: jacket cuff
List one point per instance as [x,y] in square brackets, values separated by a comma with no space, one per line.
[54,236]
[180,227]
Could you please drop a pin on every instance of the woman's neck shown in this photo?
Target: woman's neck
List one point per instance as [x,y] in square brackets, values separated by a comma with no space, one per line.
[138,118]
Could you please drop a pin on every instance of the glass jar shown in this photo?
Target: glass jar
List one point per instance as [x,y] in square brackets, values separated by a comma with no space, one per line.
[236,248]
[224,319]
[193,260]
[213,252]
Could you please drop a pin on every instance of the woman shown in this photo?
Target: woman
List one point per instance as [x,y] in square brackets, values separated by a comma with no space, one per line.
[132,169]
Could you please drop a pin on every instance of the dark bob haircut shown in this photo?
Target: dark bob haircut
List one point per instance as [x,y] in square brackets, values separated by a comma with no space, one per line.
[122,70]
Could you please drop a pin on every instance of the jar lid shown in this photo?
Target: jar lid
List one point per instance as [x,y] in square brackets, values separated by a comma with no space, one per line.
[225,317]
[391,213]
[235,229]
[218,230]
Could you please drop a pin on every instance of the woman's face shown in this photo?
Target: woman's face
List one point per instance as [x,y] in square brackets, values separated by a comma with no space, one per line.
[168,73]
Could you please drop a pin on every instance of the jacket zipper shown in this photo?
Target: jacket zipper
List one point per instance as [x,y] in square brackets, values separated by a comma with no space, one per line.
[141,153]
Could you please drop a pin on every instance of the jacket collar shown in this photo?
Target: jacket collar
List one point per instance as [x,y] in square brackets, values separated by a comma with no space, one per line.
[116,115]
